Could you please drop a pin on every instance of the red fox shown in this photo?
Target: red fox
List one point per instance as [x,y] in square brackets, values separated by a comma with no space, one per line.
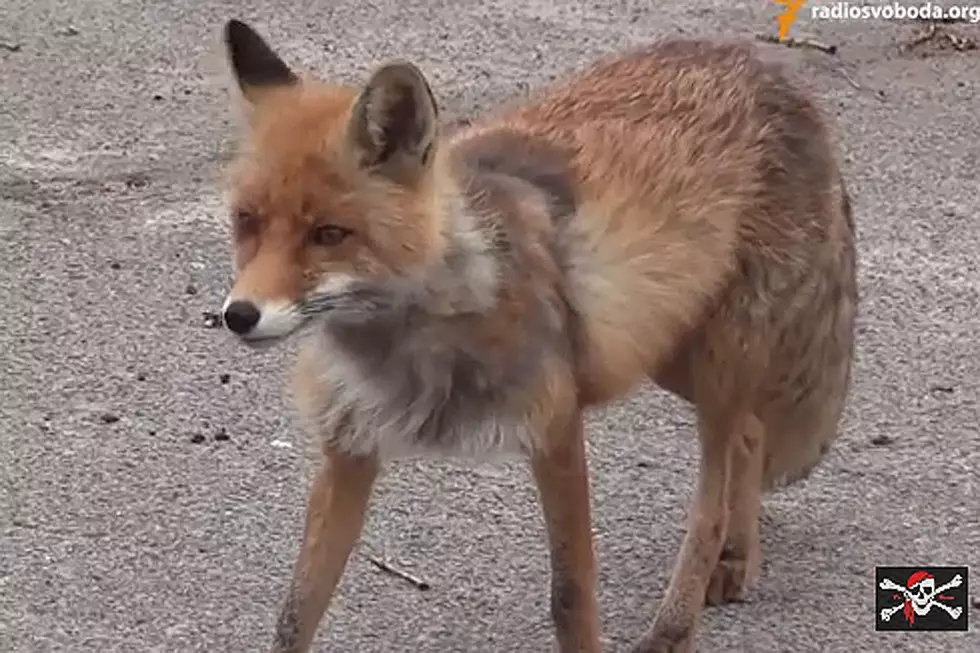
[675,213]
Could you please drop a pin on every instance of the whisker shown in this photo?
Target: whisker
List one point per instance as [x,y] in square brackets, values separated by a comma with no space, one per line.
[317,304]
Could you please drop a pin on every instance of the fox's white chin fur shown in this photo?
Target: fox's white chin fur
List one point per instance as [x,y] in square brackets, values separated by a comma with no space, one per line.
[261,344]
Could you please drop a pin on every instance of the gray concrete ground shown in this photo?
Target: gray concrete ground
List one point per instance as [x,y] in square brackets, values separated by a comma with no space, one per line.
[121,533]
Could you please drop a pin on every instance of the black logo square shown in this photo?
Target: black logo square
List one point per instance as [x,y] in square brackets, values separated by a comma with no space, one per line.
[922,598]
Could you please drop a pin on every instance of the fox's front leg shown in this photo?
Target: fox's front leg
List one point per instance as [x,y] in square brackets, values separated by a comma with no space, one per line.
[561,474]
[335,516]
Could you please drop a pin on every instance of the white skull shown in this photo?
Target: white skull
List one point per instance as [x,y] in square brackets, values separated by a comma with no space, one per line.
[922,596]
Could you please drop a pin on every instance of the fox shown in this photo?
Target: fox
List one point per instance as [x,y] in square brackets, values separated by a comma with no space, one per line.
[674,213]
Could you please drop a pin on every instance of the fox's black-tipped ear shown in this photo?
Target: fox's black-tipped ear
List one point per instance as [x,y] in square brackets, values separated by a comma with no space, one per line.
[255,65]
[393,123]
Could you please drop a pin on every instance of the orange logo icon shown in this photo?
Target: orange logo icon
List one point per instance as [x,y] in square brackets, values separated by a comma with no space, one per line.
[788,17]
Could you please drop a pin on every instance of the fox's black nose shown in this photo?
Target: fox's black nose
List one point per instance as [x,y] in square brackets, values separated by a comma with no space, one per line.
[241,316]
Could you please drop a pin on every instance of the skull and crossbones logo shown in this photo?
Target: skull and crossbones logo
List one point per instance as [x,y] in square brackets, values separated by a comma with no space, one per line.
[920,595]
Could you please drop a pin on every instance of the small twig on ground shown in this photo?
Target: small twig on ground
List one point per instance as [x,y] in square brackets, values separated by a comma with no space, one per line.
[959,43]
[404,575]
[946,21]
[19,523]
[928,34]
[849,79]
[798,43]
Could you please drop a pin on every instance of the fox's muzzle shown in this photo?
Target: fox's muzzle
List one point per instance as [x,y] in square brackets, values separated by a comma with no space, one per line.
[257,321]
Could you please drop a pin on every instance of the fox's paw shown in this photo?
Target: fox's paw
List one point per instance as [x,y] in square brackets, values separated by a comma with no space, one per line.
[732,577]
[663,639]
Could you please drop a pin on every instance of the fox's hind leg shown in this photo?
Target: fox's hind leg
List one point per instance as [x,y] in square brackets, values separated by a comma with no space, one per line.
[740,557]
[720,370]
[725,462]
[738,564]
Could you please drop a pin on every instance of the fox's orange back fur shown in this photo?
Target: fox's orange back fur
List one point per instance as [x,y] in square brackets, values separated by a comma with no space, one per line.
[690,225]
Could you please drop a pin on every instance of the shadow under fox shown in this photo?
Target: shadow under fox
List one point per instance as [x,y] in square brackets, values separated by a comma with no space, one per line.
[674,213]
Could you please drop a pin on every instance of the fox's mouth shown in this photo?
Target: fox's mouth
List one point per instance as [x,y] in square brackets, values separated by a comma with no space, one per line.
[265,341]
[262,342]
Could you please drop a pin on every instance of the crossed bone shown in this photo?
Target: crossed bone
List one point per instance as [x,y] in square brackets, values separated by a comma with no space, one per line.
[887,584]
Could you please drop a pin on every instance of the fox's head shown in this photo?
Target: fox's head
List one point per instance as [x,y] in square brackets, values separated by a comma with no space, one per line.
[335,200]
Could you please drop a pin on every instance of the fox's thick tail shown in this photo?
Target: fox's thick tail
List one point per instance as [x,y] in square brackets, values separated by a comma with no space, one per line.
[803,425]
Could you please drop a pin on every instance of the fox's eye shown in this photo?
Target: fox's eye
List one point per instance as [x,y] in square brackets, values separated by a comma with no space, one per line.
[246,222]
[329,235]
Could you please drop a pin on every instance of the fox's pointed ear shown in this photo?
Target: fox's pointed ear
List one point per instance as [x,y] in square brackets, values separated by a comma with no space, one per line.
[393,123]
[255,65]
